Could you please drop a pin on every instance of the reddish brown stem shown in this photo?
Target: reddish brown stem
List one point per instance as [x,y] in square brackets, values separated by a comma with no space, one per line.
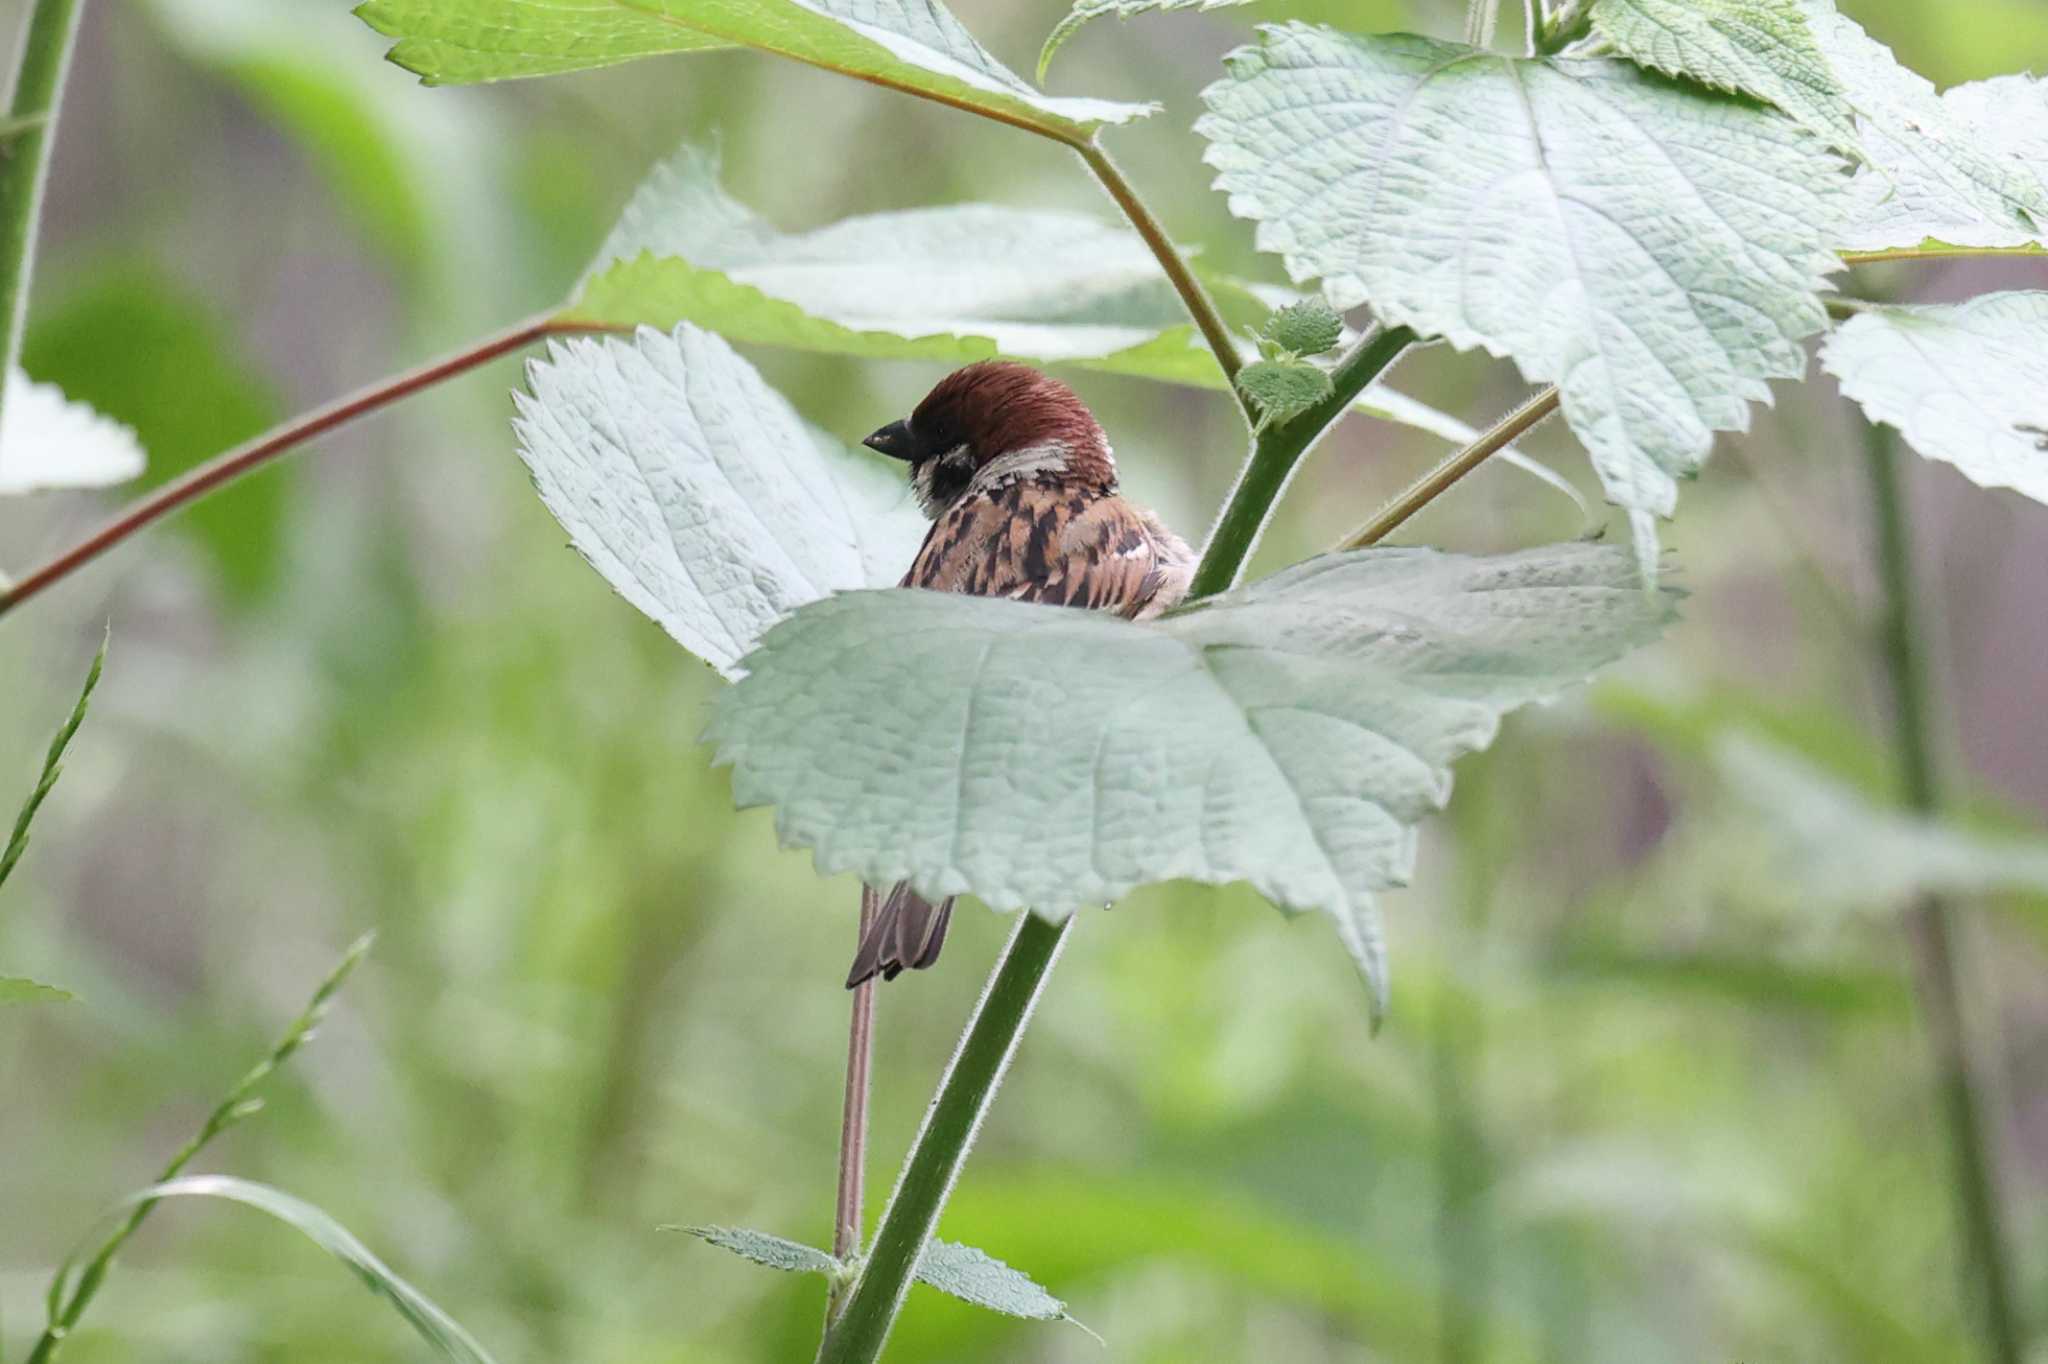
[202,479]
[847,1223]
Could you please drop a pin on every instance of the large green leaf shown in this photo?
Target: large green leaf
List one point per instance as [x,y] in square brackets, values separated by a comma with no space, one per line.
[958,283]
[1965,383]
[697,491]
[954,284]
[1289,734]
[1764,48]
[915,46]
[1968,167]
[1653,249]
[49,442]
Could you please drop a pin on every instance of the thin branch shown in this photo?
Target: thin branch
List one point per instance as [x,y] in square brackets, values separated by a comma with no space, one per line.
[254,454]
[1277,451]
[1988,1268]
[1192,295]
[847,1227]
[1431,485]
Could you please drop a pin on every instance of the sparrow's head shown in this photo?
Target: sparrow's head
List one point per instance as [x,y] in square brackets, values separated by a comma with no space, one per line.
[992,424]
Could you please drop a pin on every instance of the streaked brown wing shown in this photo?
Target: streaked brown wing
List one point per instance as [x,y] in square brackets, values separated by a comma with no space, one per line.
[1034,542]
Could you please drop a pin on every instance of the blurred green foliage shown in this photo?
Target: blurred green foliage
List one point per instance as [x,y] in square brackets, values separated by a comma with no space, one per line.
[1623,1111]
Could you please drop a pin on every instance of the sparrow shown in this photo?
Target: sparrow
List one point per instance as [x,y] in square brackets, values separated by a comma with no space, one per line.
[1016,477]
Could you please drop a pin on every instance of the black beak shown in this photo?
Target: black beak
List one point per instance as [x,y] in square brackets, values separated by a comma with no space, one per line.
[893,440]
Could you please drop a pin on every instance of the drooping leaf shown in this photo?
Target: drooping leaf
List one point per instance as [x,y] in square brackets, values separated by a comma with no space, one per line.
[1289,734]
[776,1252]
[1282,389]
[1764,48]
[18,990]
[697,491]
[1085,10]
[911,45]
[53,765]
[954,284]
[48,442]
[1309,327]
[1969,167]
[974,1276]
[148,351]
[1965,383]
[440,1331]
[1654,250]
[1830,845]
[957,283]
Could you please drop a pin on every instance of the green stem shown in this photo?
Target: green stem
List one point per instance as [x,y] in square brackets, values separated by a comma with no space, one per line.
[24,159]
[252,455]
[239,1104]
[1193,296]
[1277,451]
[942,1144]
[1987,1271]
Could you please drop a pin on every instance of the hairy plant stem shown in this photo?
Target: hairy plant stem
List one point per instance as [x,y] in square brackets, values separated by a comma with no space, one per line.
[1453,467]
[25,161]
[1987,1273]
[254,454]
[950,1125]
[1277,451]
[1193,296]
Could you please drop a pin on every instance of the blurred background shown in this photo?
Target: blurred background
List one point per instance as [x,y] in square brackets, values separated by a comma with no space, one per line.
[1648,1091]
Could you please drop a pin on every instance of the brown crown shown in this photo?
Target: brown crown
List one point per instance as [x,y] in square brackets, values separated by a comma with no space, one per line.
[998,406]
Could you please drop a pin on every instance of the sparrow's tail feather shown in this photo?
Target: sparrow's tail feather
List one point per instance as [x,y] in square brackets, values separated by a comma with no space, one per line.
[906,935]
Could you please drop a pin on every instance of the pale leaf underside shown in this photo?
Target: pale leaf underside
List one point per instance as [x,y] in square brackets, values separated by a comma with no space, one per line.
[699,494]
[48,442]
[1965,383]
[1289,734]
[1654,250]
[1969,167]
[1764,48]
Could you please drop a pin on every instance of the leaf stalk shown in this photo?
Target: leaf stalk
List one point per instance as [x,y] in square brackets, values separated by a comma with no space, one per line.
[1454,466]
[1193,296]
[254,454]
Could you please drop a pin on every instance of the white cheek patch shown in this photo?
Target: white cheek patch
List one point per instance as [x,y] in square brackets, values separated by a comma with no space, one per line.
[1043,457]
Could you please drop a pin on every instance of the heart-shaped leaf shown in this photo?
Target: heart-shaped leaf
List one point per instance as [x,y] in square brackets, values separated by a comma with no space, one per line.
[1289,734]
[1654,250]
